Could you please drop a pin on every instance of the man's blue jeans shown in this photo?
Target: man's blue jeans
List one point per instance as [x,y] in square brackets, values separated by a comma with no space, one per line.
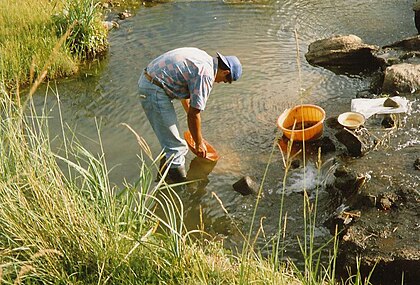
[161,114]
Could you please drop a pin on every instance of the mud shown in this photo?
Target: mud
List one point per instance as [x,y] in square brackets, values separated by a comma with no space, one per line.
[376,200]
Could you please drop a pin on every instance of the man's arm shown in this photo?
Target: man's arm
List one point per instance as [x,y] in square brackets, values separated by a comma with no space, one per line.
[194,125]
[185,104]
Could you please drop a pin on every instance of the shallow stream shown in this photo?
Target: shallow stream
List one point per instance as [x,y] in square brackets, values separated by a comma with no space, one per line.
[239,120]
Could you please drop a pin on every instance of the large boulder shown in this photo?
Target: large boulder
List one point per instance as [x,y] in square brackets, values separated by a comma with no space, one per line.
[416,9]
[404,78]
[343,54]
[410,43]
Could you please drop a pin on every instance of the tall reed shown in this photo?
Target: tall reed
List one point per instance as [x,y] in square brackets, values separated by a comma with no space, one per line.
[88,233]
[77,229]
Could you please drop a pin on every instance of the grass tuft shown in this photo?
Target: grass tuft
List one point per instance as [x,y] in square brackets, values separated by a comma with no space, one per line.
[30,30]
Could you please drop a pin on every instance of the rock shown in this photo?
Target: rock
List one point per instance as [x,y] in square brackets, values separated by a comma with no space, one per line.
[387,201]
[325,144]
[358,142]
[365,94]
[333,123]
[417,164]
[347,183]
[109,25]
[417,20]
[390,103]
[378,222]
[403,77]
[106,5]
[388,121]
[411,43]
[343,53]
[385,204]
[124,15]
[295,164]
[416,6]
[311,147]
[383,249]
[246,186]
[416,9]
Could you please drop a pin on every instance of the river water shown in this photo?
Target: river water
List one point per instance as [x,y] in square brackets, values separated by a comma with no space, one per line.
[240,118]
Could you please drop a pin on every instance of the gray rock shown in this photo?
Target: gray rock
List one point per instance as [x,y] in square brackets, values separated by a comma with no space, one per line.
[246,186]
[410,43]
[358,142]
[390,103]
[404,78]
[417,164]
[342,52]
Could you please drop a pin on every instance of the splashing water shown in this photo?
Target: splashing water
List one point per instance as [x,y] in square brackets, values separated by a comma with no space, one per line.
[310,177]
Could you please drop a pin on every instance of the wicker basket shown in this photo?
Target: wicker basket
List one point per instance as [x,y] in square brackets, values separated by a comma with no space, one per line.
[302,122]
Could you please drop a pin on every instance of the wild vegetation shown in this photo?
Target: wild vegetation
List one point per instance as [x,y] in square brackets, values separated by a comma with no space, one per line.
[30,30]
[75,228]
[61,221]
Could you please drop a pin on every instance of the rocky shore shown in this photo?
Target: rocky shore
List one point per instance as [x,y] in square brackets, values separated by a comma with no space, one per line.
[376,210]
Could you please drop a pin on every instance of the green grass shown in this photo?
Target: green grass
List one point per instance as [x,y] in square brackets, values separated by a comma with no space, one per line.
[88,38]
[77,229]
[30,29]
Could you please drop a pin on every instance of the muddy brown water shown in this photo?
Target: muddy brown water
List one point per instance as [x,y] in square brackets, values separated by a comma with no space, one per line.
[302,125]
[240,119]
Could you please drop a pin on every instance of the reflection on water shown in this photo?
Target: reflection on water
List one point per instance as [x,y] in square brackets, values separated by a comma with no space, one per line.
[198,173]
[240,118]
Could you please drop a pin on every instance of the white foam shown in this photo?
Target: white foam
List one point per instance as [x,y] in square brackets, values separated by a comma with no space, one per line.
[309,178]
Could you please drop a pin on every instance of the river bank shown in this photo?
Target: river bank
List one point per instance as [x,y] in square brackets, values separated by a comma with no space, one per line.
[377,179]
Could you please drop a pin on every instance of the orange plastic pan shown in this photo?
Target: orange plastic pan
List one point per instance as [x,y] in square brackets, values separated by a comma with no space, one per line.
[211,152]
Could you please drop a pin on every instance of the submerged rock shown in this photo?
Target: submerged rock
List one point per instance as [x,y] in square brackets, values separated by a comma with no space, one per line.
[109,25]
[417,164]
[388,121]
[416,9]
[124,15]
[410,43]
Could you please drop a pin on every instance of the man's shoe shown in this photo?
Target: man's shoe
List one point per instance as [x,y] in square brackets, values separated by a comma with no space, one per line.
[162,169]
[177,174]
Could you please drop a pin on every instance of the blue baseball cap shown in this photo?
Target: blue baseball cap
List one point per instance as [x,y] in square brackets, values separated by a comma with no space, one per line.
[235,66]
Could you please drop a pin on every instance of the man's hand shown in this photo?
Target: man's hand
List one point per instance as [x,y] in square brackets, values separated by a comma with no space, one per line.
[201,149]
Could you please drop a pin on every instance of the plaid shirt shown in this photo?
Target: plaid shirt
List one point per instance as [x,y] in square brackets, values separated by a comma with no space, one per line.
[185,73]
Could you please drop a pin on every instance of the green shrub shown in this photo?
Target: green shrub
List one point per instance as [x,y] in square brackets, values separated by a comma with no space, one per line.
[27,37]
[88,38]
[29,32]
